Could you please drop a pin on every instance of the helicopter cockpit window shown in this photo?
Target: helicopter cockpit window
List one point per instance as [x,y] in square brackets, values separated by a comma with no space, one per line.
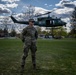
[56,22]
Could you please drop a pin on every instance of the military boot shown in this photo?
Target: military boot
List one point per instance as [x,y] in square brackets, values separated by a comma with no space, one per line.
[22,69]
[34,66]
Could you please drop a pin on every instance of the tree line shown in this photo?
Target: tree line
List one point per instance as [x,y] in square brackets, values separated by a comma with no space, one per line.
[5,33]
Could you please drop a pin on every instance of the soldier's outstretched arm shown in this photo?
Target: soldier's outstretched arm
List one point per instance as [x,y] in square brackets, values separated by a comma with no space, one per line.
[20,22]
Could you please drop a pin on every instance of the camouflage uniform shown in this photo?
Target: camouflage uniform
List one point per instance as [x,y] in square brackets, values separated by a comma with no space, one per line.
[29,37]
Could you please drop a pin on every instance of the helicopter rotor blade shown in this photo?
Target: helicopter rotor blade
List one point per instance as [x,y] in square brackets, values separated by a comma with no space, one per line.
[42,14]
[45,13]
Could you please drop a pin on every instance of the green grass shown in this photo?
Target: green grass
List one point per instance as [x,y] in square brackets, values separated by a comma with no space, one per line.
[54,57]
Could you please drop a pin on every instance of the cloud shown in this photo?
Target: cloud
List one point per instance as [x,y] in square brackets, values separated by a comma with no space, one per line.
[64,11]
[45,4]
[3,9]
[42,10]
[69,5]
[10,1]
[68,25]
[8,5]
[48,5]
[65,8]
[66,3]
[13,5]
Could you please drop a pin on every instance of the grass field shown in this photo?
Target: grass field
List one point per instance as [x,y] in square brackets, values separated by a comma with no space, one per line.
[54,57]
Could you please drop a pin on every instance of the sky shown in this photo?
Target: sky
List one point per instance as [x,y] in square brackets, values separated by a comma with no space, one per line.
[17,5]
[63,8]
[47,4]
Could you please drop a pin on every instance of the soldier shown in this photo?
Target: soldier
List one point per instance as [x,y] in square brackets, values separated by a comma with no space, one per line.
[29,37]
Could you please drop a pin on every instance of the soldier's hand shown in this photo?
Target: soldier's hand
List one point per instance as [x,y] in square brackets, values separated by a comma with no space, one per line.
[23,40]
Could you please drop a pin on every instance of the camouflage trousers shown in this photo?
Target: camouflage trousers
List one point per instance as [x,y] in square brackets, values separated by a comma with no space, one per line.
[33,49]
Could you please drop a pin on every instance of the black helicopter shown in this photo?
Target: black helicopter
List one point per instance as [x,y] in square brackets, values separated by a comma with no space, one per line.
[43,21]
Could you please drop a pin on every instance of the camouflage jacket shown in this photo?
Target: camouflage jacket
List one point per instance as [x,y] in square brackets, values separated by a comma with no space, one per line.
[29,33]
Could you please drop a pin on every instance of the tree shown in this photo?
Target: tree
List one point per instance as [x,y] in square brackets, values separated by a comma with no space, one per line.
[38,29]
[73,19]
[13,33]
[73,23]
[1,33]
[28,12]
[59,32]
[5,32]
[5,23]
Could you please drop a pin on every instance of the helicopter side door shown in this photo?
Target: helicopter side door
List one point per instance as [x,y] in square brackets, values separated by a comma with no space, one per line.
[49,23]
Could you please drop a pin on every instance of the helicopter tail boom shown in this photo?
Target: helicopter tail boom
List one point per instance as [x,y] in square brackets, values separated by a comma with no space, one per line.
[14,20]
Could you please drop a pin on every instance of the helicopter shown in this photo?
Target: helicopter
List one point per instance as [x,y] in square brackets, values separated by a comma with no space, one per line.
[43,21]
